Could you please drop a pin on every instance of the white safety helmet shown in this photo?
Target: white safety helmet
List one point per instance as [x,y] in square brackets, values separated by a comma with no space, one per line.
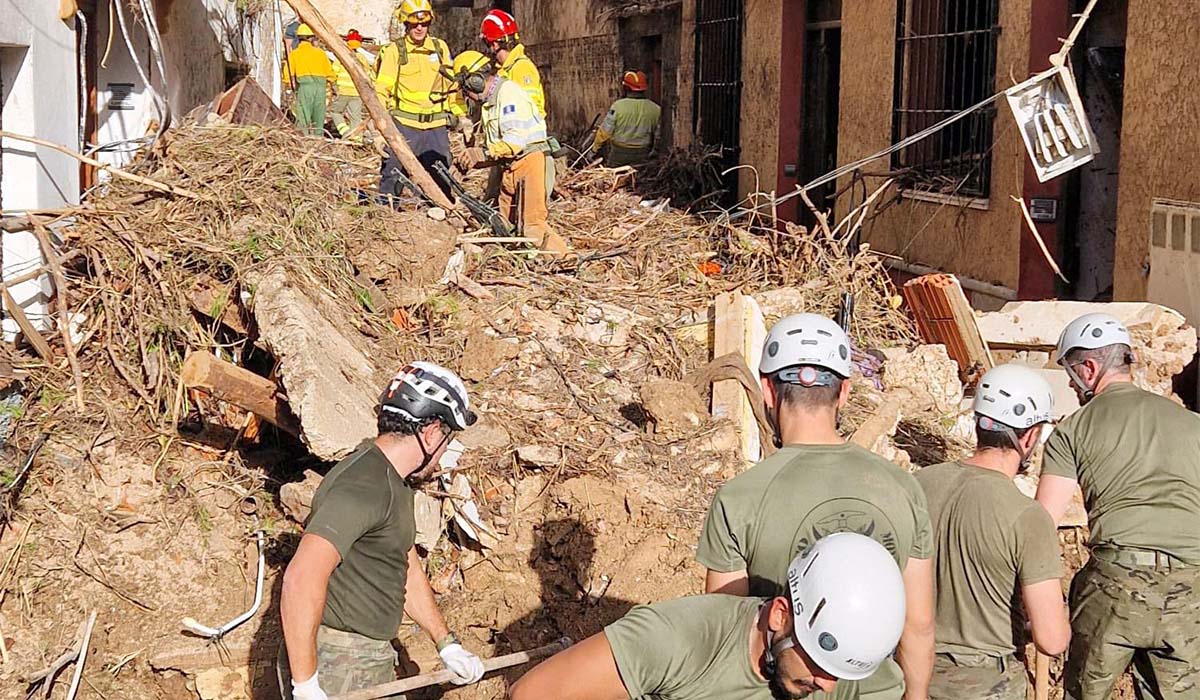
[806,339]
[1091,331]
[1015,396]
[847,604]
[423,390]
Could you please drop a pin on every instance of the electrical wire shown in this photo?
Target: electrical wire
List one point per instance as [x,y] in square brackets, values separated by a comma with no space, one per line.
[156,48]
[137,63]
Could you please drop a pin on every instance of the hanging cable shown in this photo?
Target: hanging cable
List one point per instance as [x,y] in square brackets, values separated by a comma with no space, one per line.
[137,64]
[83,76]
[156,49]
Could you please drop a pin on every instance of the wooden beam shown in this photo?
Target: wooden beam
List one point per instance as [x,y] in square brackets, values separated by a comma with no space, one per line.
[366,90]
[738,328]
[240,387]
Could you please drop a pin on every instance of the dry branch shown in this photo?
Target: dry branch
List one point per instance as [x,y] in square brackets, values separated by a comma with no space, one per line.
[117,172]
[64,306]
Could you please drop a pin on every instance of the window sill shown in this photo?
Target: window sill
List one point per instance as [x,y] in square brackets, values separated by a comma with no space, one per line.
[952,200]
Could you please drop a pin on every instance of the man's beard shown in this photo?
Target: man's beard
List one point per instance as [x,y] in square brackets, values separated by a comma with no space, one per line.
[780,693]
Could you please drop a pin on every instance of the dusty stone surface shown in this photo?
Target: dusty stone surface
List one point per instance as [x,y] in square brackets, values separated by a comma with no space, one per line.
[925,379]
[487,434]
[297,496]
[331,385]
[483,354]
[539,455]
[674,406]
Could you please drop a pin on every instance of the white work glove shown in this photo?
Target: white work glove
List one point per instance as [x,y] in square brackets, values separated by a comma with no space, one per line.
[308,690]
[464,126]
[467,666]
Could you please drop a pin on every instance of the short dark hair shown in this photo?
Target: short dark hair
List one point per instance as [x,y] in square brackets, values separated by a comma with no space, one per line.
[809,397]
[996,439]
[390,422]
[1120,352]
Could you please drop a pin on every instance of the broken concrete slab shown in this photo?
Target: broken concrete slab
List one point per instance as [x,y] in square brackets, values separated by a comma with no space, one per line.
[675,407]
[606,325]
[331,385]
[427,513]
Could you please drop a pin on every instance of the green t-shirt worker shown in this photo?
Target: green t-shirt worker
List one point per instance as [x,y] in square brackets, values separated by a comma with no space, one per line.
[1136,456]
[818,484]
[836,621]
[995,547]
[356,571]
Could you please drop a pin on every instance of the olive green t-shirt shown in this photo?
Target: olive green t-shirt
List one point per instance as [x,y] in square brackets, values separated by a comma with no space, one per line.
[365,510]
[1136,456]
[695,648]
[990,539]
[761,519]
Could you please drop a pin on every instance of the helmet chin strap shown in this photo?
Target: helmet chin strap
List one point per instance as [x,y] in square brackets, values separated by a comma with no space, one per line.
[994,426]
[427,455]
[1089,392]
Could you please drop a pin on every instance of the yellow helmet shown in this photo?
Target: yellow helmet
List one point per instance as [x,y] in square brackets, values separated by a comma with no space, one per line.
[304,31]
[409,9]
[469,62]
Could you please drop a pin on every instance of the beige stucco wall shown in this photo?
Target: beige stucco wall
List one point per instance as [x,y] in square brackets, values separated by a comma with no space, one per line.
[1160,135]
[979,244]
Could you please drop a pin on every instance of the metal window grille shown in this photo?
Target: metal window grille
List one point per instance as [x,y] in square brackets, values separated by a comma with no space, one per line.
[718,82]
[945,63]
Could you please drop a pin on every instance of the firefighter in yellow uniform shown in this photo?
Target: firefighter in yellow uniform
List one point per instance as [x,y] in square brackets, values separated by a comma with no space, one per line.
[514,134]
[631,127]
[347,107]
[499,32]
[413,86]
[311,69]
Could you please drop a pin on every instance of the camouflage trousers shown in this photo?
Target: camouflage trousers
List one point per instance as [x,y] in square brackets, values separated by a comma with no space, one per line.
[1147,615]
[977,677]
[345,662]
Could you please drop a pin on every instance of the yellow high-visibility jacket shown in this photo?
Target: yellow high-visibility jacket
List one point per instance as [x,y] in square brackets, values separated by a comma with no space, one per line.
[345,86]
[631,123]
[511,123]
[412,87]
[307,60]
[520,69]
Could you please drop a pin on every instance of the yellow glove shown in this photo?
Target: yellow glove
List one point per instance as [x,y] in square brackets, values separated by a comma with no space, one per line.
[502,149]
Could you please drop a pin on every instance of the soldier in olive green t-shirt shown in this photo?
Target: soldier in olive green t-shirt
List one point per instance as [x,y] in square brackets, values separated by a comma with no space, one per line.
[996,548]
[356,570]
[819,484]
[1136,457]
[840,617]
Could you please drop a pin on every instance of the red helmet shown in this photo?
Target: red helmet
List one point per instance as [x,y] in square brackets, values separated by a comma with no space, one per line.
[498,24]
[353,35]
[634,80]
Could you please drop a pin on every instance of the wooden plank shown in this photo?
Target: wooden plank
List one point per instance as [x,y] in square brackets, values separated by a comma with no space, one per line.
[944,316]
[31,334]
[738,328]
[246,103]
[238,386]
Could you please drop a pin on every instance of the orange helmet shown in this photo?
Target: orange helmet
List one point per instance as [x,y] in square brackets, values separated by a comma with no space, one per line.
[497,25]
[634,80]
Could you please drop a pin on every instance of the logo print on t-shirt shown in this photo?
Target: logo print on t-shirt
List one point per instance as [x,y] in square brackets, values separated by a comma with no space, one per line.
[845,515]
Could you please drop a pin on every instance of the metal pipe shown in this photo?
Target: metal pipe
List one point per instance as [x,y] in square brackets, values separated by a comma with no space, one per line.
[216,633]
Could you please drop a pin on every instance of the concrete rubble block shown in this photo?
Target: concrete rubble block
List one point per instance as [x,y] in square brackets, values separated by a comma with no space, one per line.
[297,496]
[539,455]
[925,377]
[483,354]
[223,684]
[331,385]
[675,407]
[1163,341]
[427,512]
[488,433]
[876,432]
[606,325]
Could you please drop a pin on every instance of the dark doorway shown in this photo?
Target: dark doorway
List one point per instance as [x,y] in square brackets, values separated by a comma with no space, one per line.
[822,80]
[1091,211]
[645,39]
[718,81]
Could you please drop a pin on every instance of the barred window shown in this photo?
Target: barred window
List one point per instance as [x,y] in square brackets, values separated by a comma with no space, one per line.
[945,63]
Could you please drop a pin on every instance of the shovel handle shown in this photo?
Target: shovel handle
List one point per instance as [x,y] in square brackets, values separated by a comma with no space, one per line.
[445,676]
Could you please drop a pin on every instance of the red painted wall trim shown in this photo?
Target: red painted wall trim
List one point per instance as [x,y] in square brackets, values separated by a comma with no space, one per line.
[1049,20]
[791,77]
